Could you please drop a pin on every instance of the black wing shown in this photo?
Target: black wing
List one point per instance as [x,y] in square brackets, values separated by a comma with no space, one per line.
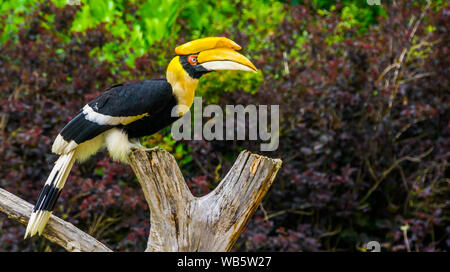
[133,99]
[117,106]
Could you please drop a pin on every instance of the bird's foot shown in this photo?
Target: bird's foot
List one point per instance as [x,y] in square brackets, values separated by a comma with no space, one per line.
[143,148]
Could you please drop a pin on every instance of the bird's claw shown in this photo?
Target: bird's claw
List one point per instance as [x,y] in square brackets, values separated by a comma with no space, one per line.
[146,149]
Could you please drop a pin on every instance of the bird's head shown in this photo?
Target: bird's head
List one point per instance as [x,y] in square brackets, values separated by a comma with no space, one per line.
[201,56]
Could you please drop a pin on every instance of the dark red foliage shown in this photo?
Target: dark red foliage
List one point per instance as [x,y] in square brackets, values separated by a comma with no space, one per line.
[355,169]
[44,81]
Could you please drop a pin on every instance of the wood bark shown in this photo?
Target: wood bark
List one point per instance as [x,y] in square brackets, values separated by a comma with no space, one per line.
[178,220]
[57,230]
[181,222]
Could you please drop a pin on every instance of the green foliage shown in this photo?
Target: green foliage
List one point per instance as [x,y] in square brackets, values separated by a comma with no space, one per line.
[353,11]
[10,11]
[137,30]
[155,21]
[213,86]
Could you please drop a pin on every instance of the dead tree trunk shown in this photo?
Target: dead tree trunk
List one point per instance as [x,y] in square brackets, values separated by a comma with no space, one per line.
[178,220]
[181,222]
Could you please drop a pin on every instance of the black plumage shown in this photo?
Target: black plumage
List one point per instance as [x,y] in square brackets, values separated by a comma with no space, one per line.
[48,196]
[148,96]
[154,122]
[151,97]
[80,130]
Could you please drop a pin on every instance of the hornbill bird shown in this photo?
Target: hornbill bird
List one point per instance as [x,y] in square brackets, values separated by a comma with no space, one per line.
[121,114]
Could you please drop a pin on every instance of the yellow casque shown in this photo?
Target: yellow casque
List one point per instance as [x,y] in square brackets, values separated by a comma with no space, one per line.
[203,44]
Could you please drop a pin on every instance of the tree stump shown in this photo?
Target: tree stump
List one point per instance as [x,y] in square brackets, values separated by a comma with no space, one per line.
[181,222]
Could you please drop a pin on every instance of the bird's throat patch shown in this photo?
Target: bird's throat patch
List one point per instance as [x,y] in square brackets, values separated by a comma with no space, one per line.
[183,85]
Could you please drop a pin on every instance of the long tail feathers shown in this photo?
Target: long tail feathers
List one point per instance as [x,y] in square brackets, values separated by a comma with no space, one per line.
[49,194]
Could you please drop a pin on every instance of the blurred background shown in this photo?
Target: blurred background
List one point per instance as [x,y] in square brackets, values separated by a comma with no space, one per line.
[364,103]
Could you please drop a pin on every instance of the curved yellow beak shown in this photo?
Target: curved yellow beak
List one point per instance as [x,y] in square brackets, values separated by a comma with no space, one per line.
[217,53]
[224,59]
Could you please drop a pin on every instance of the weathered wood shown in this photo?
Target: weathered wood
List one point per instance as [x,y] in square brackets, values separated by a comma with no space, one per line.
[181,222]
[178,220]
[57,230]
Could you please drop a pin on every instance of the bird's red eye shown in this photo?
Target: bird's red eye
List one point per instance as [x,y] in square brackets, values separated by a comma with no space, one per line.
[192,59]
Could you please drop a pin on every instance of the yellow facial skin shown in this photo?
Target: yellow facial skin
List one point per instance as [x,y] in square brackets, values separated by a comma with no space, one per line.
[183,86]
